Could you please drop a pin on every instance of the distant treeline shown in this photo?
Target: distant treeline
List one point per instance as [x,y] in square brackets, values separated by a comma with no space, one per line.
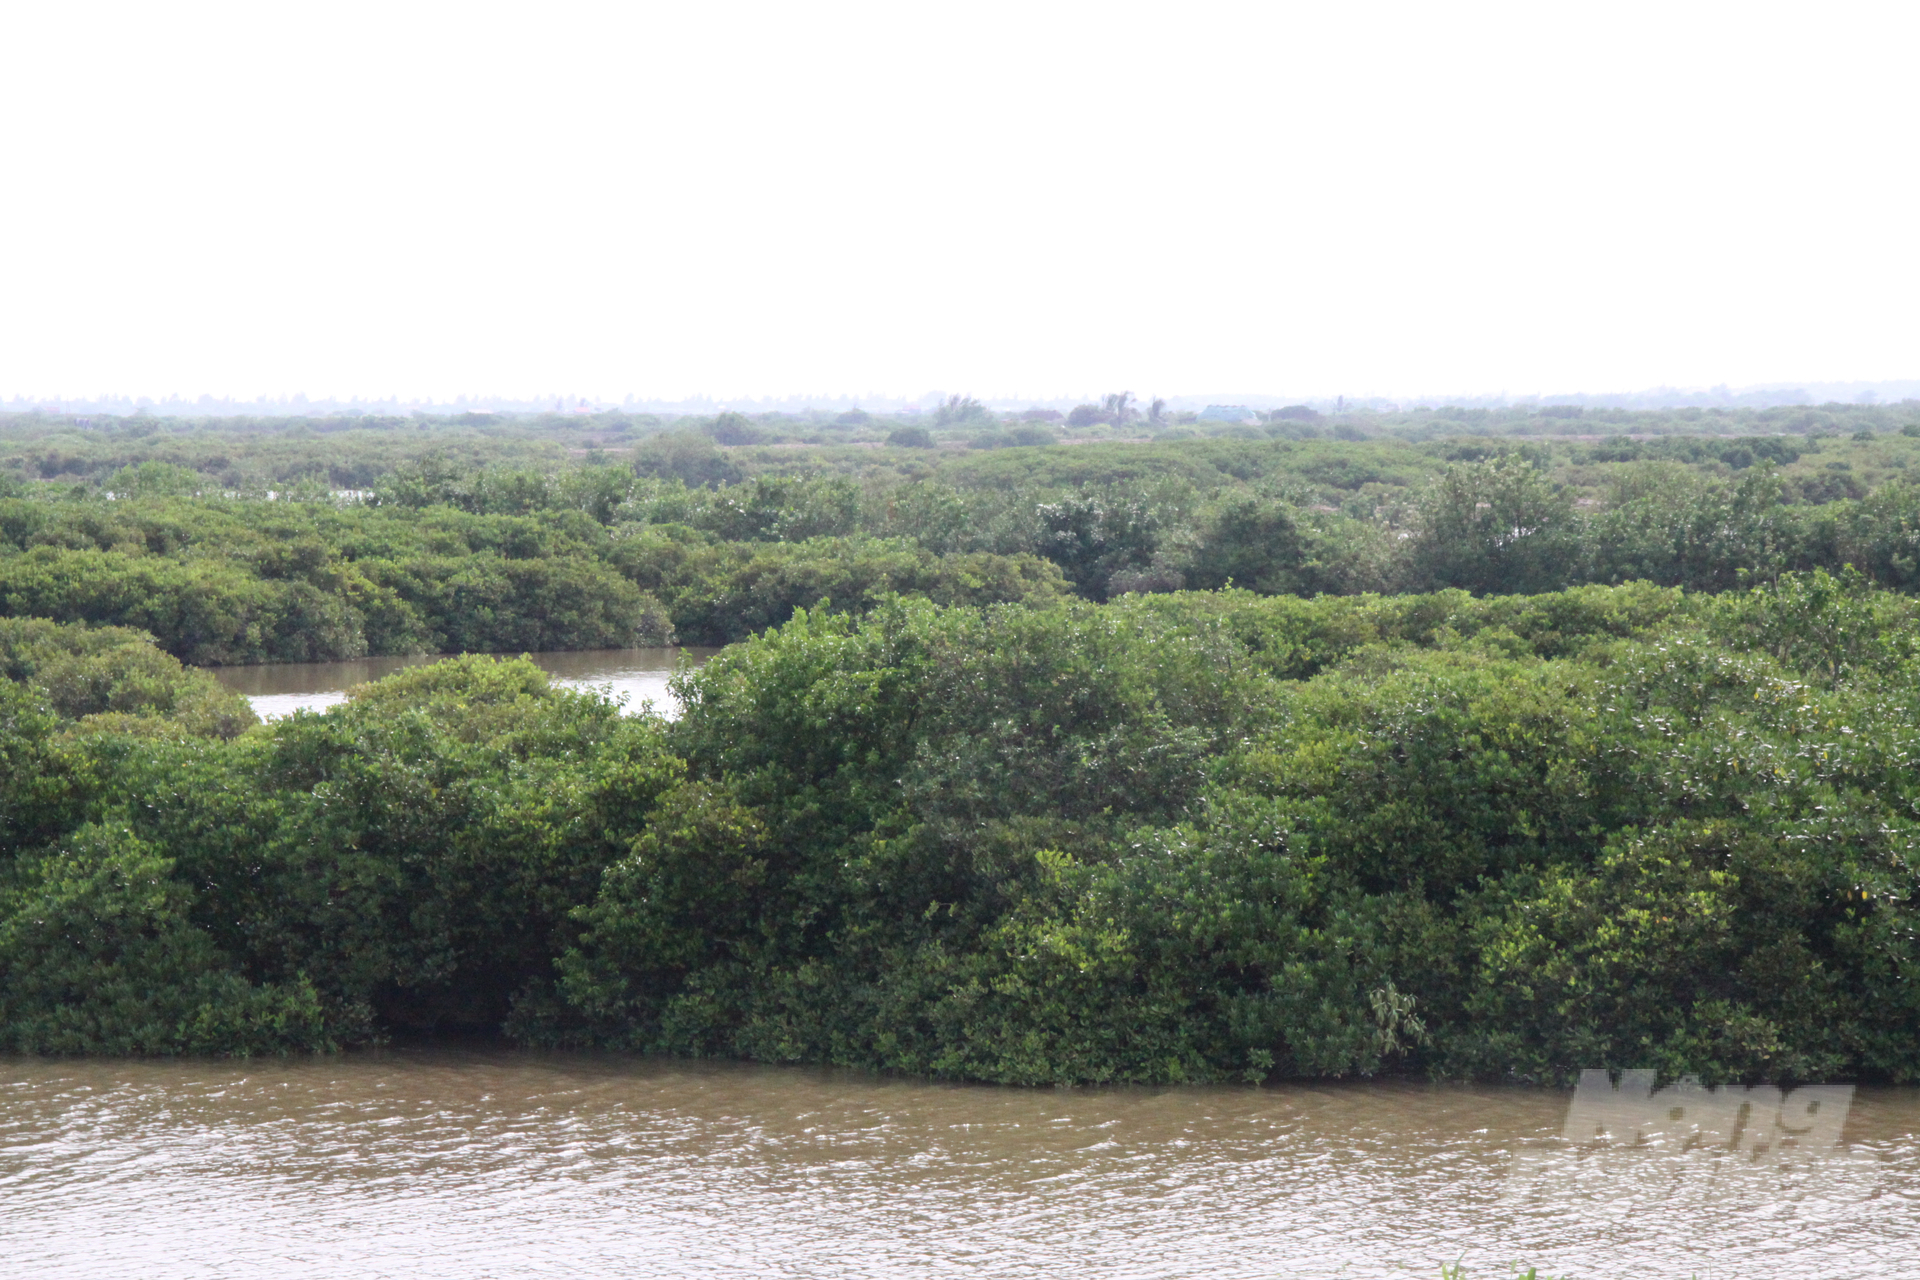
[678,545]
[1180,836]
[315,455]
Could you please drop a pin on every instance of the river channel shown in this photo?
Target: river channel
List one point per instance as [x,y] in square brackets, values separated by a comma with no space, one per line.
[490,1162]
[635,676]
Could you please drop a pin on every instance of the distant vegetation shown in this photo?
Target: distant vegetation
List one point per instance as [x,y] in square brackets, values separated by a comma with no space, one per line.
[1230,758]
[307,455]
[504,538]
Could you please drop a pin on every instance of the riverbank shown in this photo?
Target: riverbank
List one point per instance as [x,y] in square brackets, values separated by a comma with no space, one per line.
[1182,837]
[636,678]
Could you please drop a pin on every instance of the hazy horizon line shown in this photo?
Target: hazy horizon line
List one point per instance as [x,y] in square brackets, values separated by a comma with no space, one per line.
[1753,396]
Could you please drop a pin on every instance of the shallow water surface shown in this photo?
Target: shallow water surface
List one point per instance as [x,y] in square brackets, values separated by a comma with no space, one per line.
[636,675]
[497,1163]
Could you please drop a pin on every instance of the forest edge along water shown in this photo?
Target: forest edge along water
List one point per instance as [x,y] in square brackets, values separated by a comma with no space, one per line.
[1172,837]
[632,676]
[1326,766]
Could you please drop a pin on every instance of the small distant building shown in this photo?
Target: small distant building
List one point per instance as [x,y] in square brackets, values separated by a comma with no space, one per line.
[1228,413]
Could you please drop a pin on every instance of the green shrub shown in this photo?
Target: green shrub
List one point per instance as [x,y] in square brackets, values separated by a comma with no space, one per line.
[1181,836]
[101,956]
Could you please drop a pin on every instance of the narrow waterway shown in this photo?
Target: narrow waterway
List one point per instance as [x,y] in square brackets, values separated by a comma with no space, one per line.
[497,1163]
[635,677]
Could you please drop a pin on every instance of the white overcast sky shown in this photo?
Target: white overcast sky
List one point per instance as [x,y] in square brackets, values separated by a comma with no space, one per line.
[1025,199]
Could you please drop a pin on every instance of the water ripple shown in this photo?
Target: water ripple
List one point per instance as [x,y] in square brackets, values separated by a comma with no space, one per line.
[505,1164]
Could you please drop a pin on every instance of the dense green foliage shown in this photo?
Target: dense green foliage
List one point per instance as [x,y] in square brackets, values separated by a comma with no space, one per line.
[223,581]
[1268,754]
[1178,836]
[688,539]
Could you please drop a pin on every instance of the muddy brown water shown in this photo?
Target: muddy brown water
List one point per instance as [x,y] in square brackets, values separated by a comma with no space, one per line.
[491,1162]
[637,676]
